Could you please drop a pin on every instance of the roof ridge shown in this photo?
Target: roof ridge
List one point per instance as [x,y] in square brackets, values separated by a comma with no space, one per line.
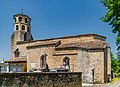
[74,36]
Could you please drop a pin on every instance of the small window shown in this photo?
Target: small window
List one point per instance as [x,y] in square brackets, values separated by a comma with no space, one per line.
[25,20]
[17,27]
[15,20]
[43,62]
[20,18]
[16,52]
[28,29]
[23,27]
[29,22]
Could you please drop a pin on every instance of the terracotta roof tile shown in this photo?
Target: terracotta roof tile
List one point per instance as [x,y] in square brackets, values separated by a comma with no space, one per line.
[44,43]
[85,44]
[83,35]
[17,60]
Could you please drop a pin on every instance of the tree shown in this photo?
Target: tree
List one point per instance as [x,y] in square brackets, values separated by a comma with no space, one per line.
[115,63]
[113,17]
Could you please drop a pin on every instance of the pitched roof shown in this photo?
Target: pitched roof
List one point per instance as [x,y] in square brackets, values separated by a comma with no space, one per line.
[21,15]
[16,60]
[65,37]
[45,43]
[85,45]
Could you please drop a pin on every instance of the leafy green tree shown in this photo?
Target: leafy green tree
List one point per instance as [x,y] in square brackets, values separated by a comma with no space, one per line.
[113,17]
[115,63]
[118,58]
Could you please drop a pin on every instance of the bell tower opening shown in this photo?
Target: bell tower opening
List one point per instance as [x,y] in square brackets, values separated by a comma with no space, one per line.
[22,31]
[21,27]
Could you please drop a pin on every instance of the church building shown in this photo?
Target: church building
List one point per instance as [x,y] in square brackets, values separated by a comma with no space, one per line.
[87,53]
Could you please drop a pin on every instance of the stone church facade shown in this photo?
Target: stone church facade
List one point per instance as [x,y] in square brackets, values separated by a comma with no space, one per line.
[88,53]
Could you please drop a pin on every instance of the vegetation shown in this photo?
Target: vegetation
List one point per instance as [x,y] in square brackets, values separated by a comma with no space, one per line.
[116,63]
[115,80]
[113,17]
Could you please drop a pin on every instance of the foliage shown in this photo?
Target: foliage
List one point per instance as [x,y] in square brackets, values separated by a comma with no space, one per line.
[114,80]
[115,63]
[113,17]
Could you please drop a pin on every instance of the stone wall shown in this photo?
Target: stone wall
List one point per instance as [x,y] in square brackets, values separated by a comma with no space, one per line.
[97,65]
[91,64]
[84,65]
[22,45]
[54,58]
[109,63]
[41,79]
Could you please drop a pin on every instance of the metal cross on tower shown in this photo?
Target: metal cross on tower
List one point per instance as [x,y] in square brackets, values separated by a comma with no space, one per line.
[22,11]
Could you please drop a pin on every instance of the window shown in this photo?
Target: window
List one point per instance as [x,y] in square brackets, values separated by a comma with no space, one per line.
[43,62]
[20,19]
[16,52]
[3,68]
[29,22]
[19,69]
[28,29]
[17,27]
[14,69]
[25,20]
[15,20]
[23,27]
[66,64]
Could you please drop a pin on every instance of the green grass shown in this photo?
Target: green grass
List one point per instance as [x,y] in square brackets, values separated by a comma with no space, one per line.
[114,80]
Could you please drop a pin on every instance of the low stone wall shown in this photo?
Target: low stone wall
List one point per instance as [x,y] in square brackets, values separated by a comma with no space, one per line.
[41,79]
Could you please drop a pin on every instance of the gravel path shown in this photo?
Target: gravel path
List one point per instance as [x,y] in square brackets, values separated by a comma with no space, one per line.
[116,84]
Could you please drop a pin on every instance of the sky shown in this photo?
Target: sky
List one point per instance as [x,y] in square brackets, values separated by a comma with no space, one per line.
[54,18]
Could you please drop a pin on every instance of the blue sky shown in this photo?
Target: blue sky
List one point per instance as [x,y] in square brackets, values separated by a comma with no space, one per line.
[54,18]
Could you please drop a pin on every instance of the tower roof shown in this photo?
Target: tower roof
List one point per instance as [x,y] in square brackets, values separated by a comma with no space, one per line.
[21,15]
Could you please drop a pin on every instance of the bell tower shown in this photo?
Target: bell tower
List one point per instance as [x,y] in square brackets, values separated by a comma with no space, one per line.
[22,31]
[22,27]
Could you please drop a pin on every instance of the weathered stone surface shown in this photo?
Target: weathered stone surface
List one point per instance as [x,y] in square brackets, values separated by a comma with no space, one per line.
[88,53]
[41,79]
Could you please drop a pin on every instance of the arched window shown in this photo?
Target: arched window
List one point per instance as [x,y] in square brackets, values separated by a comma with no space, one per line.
[16,52]
[25,20]
[43,63]
[20,18]
[15,19]
[17,27]
[23,27]
[66,64]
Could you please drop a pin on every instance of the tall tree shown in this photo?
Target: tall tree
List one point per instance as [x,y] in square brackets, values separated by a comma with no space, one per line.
[113,17]
[115,63]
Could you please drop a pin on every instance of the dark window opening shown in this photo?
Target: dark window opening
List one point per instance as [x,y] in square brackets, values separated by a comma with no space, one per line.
[25,20]
[20,18]
[16,52]
[23,27]
[17,27]
[15,20]
[28,29]
[93,71]
[43,62]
